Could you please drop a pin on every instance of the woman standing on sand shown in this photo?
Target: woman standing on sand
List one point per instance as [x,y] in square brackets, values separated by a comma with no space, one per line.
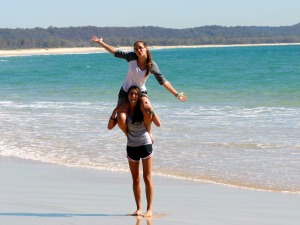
[139,146]
[141,66]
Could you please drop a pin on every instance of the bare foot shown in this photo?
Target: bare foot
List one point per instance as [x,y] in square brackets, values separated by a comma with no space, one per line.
[152,138]
[137,213]
[149,213]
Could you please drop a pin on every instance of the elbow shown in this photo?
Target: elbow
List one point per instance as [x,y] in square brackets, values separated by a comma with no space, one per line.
[165,83]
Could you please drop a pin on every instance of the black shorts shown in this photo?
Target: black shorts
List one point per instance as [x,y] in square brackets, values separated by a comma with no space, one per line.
[140,152]
[123,94]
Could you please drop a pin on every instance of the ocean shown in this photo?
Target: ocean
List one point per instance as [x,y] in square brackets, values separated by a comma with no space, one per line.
[239,127]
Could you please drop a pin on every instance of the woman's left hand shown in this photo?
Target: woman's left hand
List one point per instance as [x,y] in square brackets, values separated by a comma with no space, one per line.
[182,97]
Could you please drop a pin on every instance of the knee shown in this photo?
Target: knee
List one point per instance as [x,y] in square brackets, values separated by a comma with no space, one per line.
[121,115]
[147,178]
[145,104]
[121,118]
[146,109]
[136,180]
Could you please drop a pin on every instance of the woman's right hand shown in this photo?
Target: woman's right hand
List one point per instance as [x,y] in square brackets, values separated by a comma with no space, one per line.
[96,39]
[107,47]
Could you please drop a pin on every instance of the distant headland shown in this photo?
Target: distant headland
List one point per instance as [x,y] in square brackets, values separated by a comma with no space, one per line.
[78,37]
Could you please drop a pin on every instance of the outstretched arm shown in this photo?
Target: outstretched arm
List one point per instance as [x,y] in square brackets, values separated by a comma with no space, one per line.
[170,88]
[107,47]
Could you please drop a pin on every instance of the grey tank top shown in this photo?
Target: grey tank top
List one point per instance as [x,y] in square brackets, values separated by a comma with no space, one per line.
[137,134]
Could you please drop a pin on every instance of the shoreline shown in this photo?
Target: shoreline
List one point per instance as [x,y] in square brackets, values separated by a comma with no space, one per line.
[88,50]
[33,192]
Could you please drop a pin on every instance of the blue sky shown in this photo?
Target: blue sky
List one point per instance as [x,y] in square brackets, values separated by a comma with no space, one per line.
[162,13]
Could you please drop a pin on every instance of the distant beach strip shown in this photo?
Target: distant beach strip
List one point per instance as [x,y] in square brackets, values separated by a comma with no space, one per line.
[87,50]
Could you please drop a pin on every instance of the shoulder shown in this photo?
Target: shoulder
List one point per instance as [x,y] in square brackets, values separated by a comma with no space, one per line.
[155,68]
[126,55]
[158,75]
[154,63]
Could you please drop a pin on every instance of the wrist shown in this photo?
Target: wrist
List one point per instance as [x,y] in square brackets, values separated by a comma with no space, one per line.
[177,95]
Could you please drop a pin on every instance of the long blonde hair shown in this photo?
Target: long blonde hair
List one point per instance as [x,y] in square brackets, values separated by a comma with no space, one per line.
[149,57]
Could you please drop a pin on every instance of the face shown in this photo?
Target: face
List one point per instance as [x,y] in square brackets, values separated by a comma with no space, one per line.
[140,49]
[133,96]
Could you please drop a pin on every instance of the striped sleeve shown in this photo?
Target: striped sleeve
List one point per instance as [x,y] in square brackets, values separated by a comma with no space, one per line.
[129,56]
[158,75]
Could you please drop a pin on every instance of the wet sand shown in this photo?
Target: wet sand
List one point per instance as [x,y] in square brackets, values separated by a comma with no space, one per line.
[36,193]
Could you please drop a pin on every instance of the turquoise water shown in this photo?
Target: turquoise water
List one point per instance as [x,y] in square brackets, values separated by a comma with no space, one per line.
[240,125]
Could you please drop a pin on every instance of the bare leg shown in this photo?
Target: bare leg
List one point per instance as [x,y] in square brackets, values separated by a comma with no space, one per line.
[145,107]
[136,186]
[122,122]
[122,114]
[147,174]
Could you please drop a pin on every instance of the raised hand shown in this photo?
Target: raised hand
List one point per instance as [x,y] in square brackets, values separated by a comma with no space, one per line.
[96,39]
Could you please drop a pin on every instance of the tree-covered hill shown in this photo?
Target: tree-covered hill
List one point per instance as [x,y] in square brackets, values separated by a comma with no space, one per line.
[54,37]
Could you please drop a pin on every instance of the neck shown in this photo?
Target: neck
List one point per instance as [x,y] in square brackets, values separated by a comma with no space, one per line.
[142,59]
[142,63]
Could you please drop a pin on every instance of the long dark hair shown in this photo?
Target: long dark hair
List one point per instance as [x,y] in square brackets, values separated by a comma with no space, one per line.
[138,117]
[149,57]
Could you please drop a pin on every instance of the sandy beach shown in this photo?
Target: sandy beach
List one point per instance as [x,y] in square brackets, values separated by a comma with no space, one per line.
[85,50]
[37,193]
[22,52]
